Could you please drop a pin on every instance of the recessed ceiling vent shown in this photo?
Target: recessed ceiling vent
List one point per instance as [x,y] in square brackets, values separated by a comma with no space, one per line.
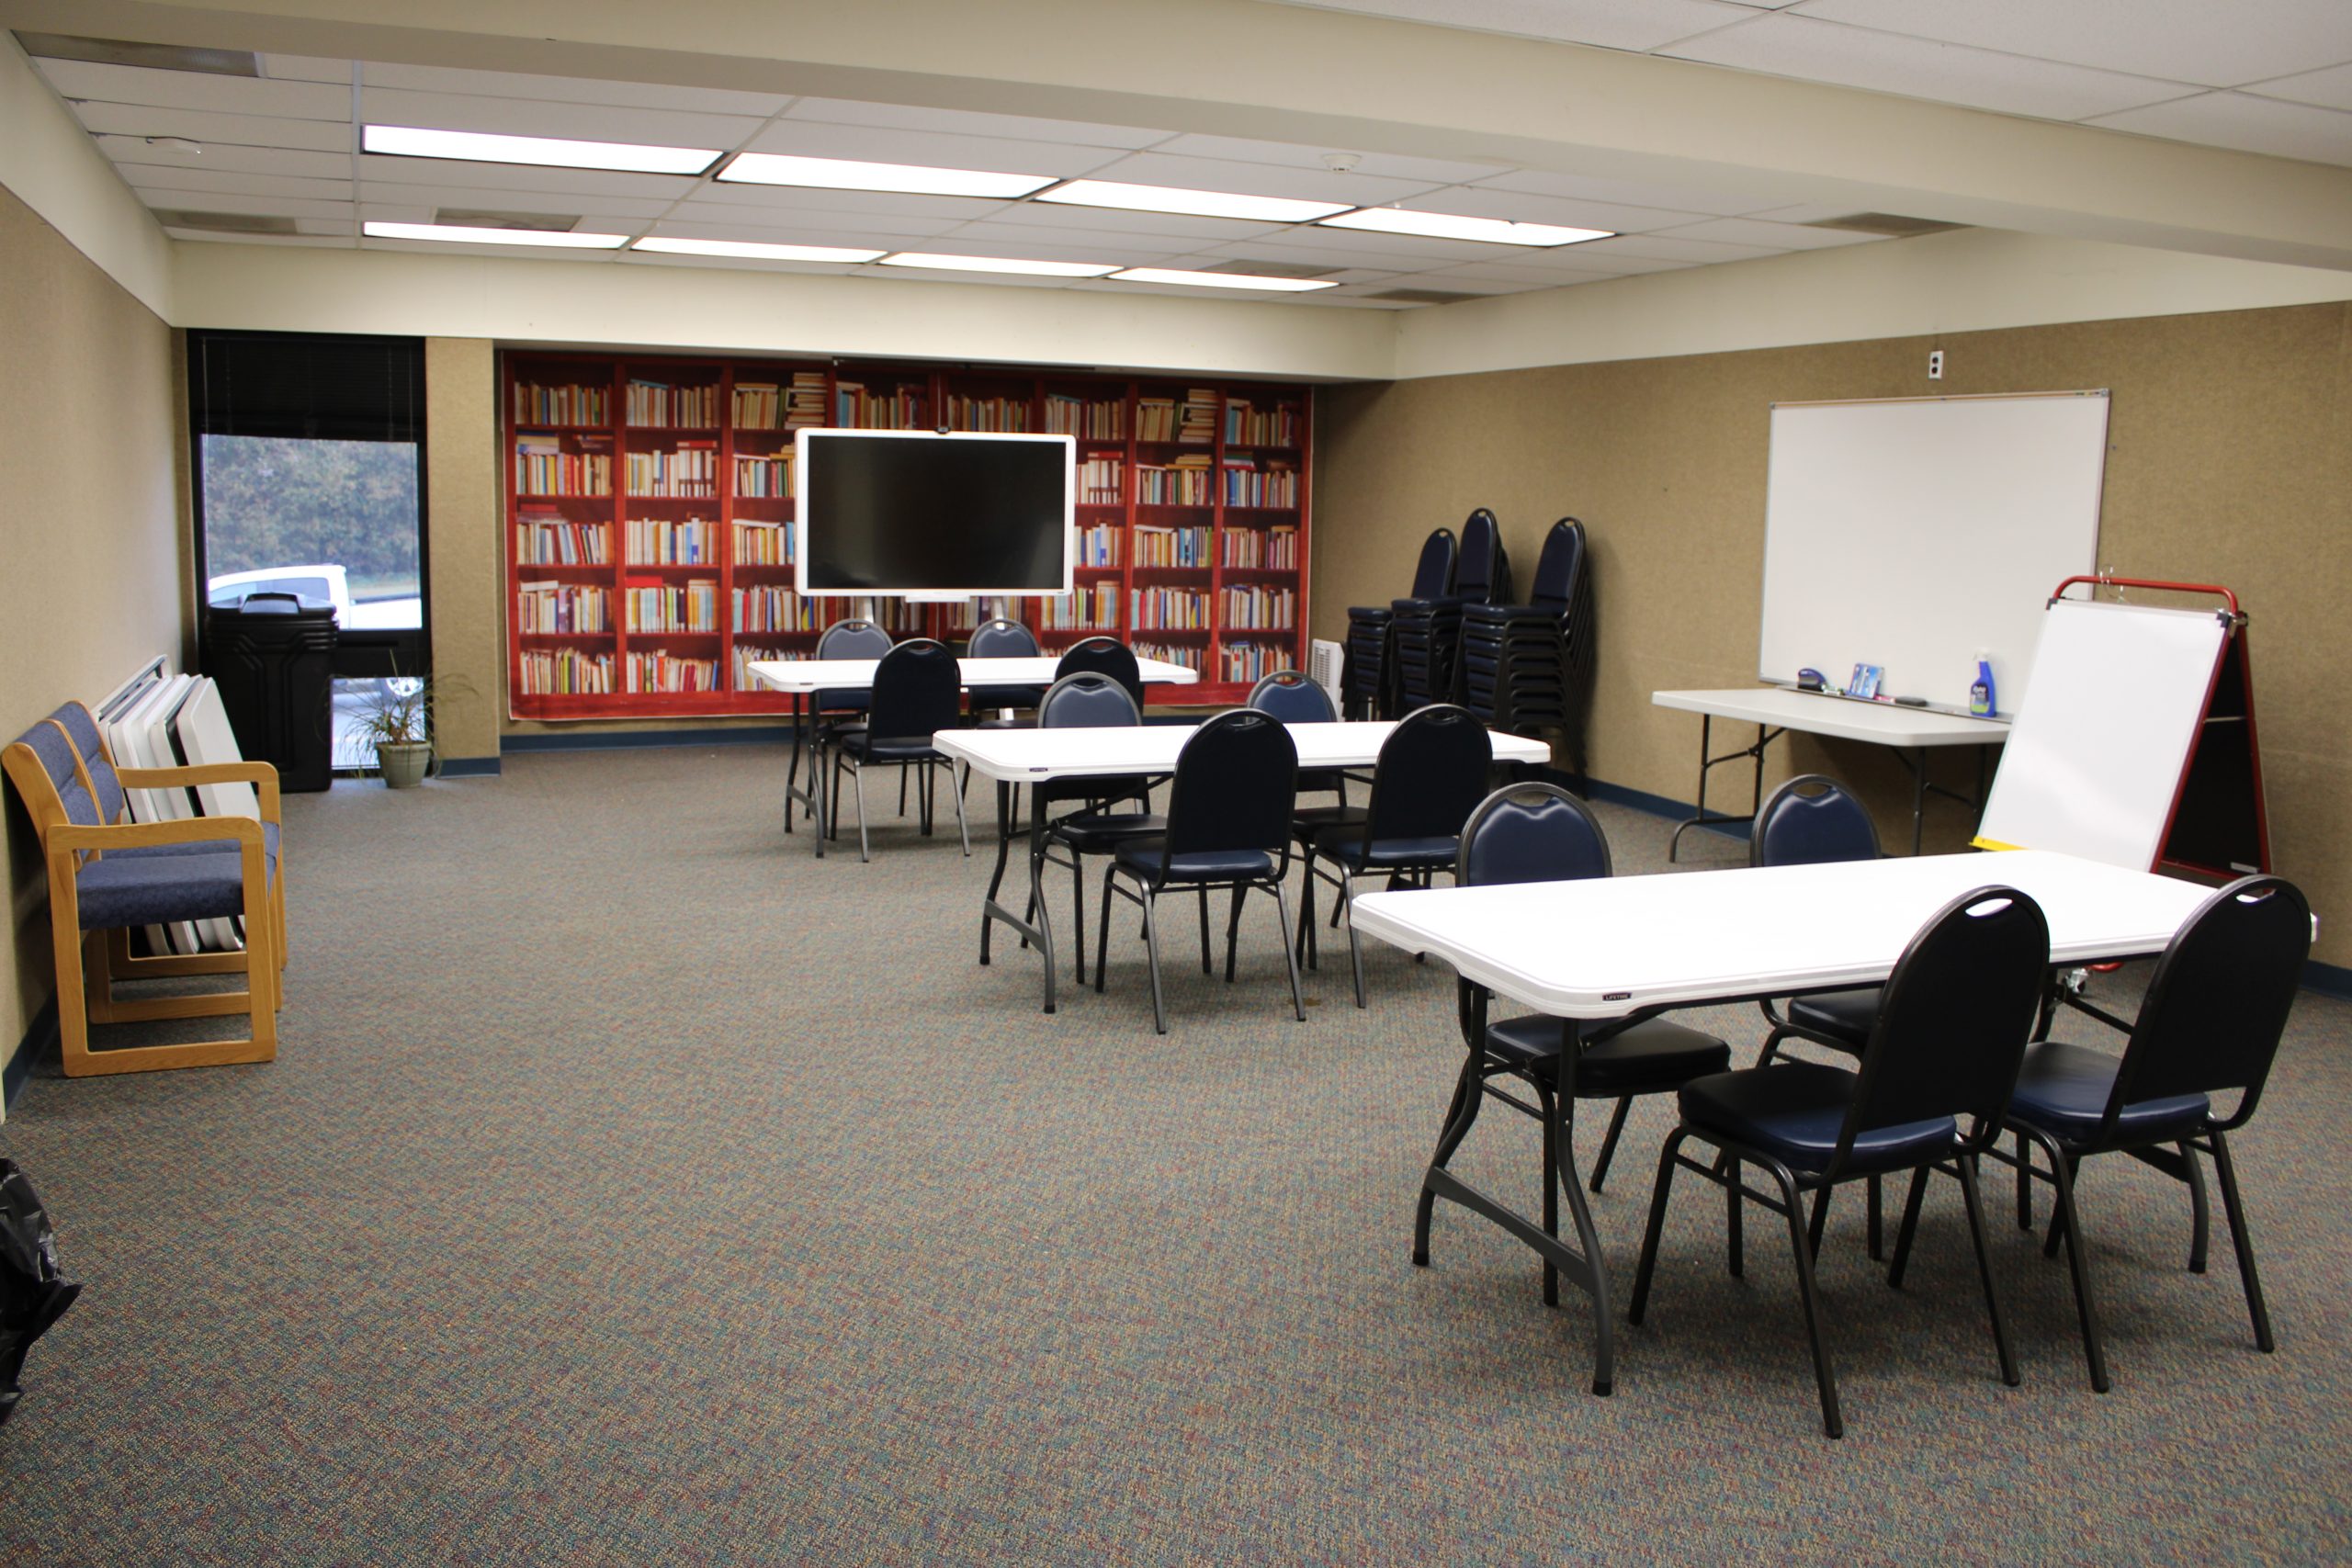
[151,56]
[1893,225]
[226,223]
[1422,297]
[486,218]
[1273,269]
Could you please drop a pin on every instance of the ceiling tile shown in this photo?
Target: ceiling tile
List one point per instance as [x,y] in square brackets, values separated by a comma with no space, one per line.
[1770,236]
[2247,123]
[1814,50]
[523,176]
[305,68]
[930,149]
[241,129]
[1102,242]
[538,116]
[787,200]
[229,201]
[1611,24]
[570,90]
[1416,250]
[2331,88]
[966,122]
[1628,193]
[1319,252]
[2218,45]
[224,156]
[1260,179]
[490,198]
[1173,226]
[179,177]
[726,222]
[1384,165]
[740,264]
[1664,247]
[1525,207]
[1502,272]
[80,79]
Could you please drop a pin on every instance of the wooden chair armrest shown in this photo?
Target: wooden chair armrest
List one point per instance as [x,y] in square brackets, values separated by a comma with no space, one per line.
[130,835]
[263,776]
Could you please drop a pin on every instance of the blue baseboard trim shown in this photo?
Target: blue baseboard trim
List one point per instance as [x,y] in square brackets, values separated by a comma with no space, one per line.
[2327,979]
[1656,805]
[40,1040]
[627,739]
[468,767]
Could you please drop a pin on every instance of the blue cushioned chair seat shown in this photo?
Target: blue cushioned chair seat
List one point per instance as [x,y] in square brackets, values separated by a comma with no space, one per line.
[1794,1111]
[891,749]
[1142,856]
[2062,1090]
[1307,821]
[1652,1054]
[1843,1015]
[146,890]
[1100,833]
[1352,853]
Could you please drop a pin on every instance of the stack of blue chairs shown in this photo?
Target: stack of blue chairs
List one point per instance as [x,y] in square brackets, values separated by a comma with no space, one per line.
[1367,690]
[1425,632]
[1527,669]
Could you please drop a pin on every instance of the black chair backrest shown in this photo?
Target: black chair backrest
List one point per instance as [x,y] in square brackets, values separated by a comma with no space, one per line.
[1434,575]
[1809,821]
[1557,569]
[1086,701]
[1430,775]
[916,691]
[1953,1020]
[851,638]
[2219,999]
[1104,656]
[1236,780]
[1000,638]
[1482,575]
[1530,832]
[1290,697]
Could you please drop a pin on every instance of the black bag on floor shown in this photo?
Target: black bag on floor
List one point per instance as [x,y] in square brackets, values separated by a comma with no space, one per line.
[32,1295]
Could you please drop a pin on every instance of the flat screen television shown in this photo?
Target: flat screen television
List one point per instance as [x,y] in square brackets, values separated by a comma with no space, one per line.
[934,516]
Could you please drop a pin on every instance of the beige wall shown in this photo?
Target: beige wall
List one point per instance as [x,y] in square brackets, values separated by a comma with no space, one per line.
[2229,462]
[462,543]
[91,527]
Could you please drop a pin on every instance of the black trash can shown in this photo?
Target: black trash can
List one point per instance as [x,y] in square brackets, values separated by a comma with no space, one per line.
[272,655]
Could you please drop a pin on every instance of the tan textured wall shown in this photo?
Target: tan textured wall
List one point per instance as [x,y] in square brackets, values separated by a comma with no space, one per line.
[92,529]
[461,518]
[2230,461]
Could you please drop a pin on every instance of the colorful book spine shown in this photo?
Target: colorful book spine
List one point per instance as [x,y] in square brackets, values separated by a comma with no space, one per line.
[762,544]
[661,541]
[766,476]
[554,540]
[1168,609]
[545,465]
[690,607]
[565,672]
[691,468]
[1261,609]
[560,608]
[536,404]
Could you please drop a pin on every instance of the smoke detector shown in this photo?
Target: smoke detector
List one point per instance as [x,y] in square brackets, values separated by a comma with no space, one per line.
[1341,162]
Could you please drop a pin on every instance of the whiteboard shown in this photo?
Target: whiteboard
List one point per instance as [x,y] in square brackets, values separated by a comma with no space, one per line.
[1912,533]
[2096,755]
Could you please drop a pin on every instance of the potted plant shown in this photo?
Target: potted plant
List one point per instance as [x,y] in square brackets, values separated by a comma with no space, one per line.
[400,724]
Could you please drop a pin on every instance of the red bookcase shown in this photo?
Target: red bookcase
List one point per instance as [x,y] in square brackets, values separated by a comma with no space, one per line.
[648,511]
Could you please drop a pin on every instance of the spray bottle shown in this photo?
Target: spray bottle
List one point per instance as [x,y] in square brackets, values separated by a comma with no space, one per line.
[1980,691]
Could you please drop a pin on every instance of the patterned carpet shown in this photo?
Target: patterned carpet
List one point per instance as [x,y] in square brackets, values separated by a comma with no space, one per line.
[632,1188]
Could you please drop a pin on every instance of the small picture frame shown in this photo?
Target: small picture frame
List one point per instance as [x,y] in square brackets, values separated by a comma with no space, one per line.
[1866,679]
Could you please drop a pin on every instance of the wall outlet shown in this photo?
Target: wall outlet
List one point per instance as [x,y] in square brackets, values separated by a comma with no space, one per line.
[1934,365]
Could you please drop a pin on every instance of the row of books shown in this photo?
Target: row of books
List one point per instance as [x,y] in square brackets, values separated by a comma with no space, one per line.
[564,672]
[1172,547]
[1184,482]
[769,609]
[557,541]
[989,414]
[1099,546]
[543,467]
[1245,485]
[767,476]
[688,606]
[1191,420]
[1265,548]
[1172,609]
[1261,609]
[1251,662]
[857,407]
[690,469]
[762,544]
[659,541]
[1101,482]
[561,405]
[1248,425]
[746,653]
[656,671]
[663,406]
[794,405]
[1068,416]
[1094,608]
[542,607]
[1171,653]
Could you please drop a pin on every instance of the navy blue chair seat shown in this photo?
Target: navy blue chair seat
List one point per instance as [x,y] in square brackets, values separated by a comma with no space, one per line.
[126,888]
[1796,1113]
[2064,1090]
[1143,857]
[1641,1058]
[1846,1016]
[1101,832]
[1346,847]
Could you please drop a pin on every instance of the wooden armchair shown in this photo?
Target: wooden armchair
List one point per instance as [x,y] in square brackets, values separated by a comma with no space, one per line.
[107,875]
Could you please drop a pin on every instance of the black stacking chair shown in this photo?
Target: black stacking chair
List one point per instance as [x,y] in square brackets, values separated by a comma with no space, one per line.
[916,694]
[1430,775]
[1001,639]
[1928,1094]
[835,710]
[1538,832]
[1087,700]
[1367,688]
[2209,1025]
[1526,669]
[1426,633]
[1104,656]
[1229,827]
[1292,698]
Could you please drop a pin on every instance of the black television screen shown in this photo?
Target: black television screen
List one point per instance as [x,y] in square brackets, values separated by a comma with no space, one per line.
[909,512]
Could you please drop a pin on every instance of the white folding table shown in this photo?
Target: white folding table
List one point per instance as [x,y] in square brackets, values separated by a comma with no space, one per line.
[801,678]
[1016,756]
[1623,947]
[1775,710]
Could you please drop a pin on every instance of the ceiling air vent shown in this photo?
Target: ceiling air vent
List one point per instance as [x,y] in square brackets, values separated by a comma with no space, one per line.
[226,223]
[1893,225]
[152,56]
[487,218]
[1421,297]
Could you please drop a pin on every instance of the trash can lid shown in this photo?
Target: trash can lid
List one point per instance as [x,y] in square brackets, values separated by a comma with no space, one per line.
[274,603]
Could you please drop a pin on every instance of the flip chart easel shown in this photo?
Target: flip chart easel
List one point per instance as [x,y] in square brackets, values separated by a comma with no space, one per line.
[2136,745]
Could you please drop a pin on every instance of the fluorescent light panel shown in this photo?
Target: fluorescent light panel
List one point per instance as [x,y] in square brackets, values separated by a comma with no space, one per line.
[481,147]
[1000,263]
[847,173]
[458,234]
[752,250]
[1449,225]
[1192,203]
[1220,279]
